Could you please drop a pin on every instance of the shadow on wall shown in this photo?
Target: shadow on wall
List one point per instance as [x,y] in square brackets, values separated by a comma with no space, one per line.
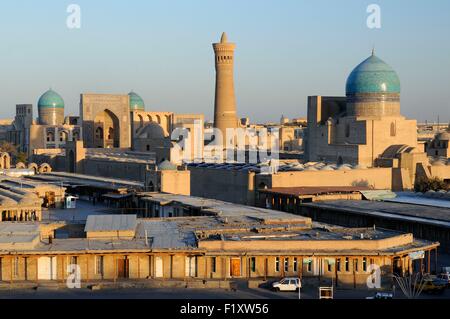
[361,183]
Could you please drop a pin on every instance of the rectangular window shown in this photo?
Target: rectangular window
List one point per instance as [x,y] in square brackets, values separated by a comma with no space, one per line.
[329,268]
[253,264]
[364,264]
[99,265]
[277,264]
[295,264]
[347,264]
[74,260]
[213,264]
[356,264]
[338,264]
[286,264]
[309,266]
[16,267]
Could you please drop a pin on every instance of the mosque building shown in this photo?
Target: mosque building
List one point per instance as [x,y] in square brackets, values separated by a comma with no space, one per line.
[51,130]
[359,128]
[106,121]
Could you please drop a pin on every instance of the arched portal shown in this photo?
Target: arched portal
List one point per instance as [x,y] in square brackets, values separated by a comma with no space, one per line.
[107,130]
[141,121]
[5,161]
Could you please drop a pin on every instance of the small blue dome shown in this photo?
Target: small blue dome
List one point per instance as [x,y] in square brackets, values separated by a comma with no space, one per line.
[51,99]
[136,102]
[373,75]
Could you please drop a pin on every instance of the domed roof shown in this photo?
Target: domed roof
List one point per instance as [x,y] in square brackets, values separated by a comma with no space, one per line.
[373,75]
[167,166]
[51,99]
[151,131]
[136,102]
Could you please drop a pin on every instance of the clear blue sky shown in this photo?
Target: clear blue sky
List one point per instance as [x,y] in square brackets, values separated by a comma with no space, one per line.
[286,50]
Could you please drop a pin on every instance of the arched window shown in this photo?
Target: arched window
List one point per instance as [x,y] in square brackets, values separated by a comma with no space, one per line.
[110,133]
[50,137]
[150,119]
[393,129]
[63,136]
[5,161]
[158,119]
[168,122]
[141,121]
[99,133]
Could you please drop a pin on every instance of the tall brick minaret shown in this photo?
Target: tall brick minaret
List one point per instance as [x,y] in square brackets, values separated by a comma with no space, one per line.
[225,102]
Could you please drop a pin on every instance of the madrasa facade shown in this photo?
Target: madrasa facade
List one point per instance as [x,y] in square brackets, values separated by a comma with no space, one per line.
[106,121]
[366,125]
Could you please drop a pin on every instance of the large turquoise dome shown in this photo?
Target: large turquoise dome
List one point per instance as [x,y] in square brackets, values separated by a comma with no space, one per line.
[51,99]
[373,75]
[136,102]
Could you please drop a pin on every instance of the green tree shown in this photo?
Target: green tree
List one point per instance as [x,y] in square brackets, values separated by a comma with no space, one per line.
[426,184]
[8,148]
[21,157]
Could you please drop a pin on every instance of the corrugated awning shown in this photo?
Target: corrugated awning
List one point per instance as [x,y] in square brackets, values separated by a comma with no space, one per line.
[305,191]
[378,194]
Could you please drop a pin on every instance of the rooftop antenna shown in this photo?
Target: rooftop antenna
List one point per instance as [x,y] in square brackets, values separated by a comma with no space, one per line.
[373,50]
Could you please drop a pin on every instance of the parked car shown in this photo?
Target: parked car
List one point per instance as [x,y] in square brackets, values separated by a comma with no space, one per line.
[446,277]
[445,270]
[287,284]
[434,285]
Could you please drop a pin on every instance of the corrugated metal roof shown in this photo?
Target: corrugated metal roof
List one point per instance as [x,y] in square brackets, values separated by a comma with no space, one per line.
[8,228]
[110,223]
[301,191]
[378,194]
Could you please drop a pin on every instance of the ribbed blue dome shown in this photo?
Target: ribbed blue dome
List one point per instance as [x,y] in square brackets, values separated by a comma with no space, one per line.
[136,102]
[51,99]
[373,75]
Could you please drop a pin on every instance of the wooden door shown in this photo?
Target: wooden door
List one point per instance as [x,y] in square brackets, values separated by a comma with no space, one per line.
[123,268]
[236,267]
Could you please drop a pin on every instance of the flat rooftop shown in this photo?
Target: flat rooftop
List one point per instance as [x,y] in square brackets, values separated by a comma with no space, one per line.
[116,155]
[108,223]
[422,199]
[400,211]
[87,180]
[182,234]
[226,210]
[304,191]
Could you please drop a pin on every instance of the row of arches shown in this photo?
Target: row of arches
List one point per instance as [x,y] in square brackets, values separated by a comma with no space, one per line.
[38,169]
[155,118]
[63,136]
